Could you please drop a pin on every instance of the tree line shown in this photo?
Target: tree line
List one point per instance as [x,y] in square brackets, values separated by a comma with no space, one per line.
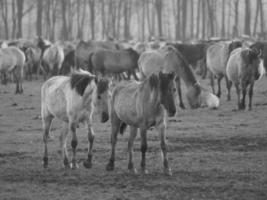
[131,19]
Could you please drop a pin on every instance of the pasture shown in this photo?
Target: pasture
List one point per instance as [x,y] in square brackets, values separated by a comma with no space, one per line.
[214,154]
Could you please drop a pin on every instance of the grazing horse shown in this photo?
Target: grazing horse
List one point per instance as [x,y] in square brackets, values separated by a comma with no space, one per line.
[73,100]
[243,69]
[12,59]
[217,57]
[141,105]
[114,62]
[168,59]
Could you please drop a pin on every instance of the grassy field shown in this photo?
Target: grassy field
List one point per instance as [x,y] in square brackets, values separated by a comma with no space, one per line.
[214,154]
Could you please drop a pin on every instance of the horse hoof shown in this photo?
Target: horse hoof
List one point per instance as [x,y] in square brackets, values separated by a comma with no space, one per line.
[74,166]
[168,172]
[110,167]
[87,164]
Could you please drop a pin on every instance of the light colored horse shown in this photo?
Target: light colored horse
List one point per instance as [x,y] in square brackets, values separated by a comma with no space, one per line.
[217,57]
[168,59]
[73,100]
[53,58]
[114,62]
[243,69]
[12,59]
[141,105]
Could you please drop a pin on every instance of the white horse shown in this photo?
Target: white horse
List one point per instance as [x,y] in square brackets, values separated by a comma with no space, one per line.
[12,59]
[72,100]
[243,69]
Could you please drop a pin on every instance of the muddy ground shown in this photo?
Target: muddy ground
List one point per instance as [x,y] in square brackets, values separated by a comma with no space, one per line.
[214,154]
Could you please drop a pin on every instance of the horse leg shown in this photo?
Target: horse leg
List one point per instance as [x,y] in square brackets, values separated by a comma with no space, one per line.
[63,144]
[219,85]
[178,87]
[161,130]
[133,133]
[244,93]
[115,126]
[143,150]
[15,74]
[74,143]
[212,82]
[88,163]
[46,126]
[238,94]
[134,75]
[228,85]
[250,95]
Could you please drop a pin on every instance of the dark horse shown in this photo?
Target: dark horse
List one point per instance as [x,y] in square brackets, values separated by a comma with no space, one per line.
[114,62]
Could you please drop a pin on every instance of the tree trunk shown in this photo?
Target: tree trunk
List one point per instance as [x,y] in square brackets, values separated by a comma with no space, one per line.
[92,17]
[262,18]
[247,18]
[4,9]
[198,18]
[203,19]
[223,19]
[158,6]
[64,30]
[14,19]
[20,4]
[184,16]
[192,19]
[211,18]
[256,19]
[39,17]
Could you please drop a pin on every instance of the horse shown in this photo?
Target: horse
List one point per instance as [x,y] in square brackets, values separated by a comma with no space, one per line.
[12,59]
[261,46]
[73,99]
[142,105]
[33,58]
[52,57]
[216,58]
[243,69]
[84,49]
[114,62]
[168,59]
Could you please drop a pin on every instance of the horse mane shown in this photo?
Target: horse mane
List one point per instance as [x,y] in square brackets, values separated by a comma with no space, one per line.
[102,85]
[154,81]
[79,81]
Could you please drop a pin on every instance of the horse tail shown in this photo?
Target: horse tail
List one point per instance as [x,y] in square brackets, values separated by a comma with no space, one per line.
[123,126]
[90,65]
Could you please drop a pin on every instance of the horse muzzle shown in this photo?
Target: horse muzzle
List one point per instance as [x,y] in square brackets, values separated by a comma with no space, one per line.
[104,117]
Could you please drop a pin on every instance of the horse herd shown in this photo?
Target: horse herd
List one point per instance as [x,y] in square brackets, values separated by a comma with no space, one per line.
[142,103]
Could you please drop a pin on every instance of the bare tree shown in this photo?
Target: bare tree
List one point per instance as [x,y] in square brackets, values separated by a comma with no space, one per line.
[39,17]
[92,17]
[247,17]
[4,10]
[158,6]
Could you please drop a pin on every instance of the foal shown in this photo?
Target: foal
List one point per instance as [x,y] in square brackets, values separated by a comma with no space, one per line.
[72,100]
[141,105]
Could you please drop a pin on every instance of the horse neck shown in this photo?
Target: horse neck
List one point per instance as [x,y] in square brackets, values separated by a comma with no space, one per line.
[185,72]
[152,99]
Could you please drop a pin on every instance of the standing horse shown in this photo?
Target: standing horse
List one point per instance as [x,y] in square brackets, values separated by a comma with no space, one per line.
[243,69]
[217,57]
[168,59]
[72,100]
[114,62]
[33,57]
[141,105]
[84,49]
[52,57]
[12,59]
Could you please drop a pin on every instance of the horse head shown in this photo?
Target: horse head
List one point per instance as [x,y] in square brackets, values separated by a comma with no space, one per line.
[167,89]
[193,95]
